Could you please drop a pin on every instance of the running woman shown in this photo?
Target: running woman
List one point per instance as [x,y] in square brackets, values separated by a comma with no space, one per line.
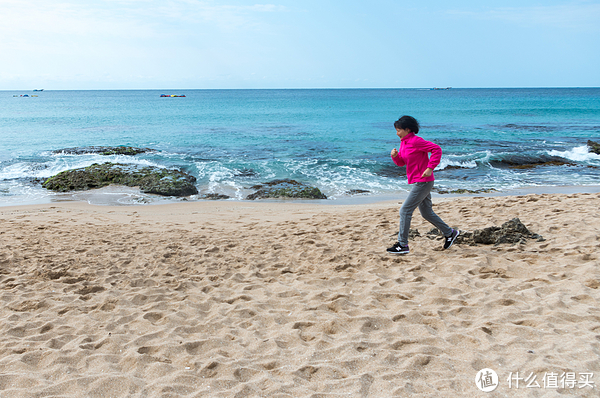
[414,154]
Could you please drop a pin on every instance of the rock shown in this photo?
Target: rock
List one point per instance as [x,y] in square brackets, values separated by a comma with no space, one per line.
[103,150]
[433,233]
[150,179]
[390,171]
[528,162]
[357,192]
[487,236]
[463,191]
[593,147]
[413,233]
[285,189]
[215,196]
[512,231]
[453,167]
[465,237]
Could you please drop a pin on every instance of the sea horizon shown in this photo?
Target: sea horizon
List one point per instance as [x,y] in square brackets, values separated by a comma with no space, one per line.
[304,88]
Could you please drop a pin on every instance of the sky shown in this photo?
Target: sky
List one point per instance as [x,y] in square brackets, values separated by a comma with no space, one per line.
[229,44]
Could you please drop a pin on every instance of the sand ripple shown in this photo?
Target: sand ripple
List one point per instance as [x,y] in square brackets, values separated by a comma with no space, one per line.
[290,300]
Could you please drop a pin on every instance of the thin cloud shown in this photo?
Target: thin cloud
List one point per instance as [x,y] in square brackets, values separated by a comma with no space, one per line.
[226,17]
[78,19]
[126,18]
[574,16]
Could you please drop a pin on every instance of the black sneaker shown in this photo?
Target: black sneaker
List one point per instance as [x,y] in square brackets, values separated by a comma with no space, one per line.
[449,240]
[398,249]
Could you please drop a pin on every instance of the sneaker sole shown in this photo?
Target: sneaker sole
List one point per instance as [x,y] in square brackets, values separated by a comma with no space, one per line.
[397,253]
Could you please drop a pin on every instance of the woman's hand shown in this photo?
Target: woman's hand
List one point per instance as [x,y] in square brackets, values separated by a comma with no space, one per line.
[427,172]
[394,152]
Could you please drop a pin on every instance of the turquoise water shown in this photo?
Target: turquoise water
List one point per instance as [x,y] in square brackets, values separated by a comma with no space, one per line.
[338,140]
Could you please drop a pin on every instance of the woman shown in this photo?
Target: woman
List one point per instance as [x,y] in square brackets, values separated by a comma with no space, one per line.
[413,154]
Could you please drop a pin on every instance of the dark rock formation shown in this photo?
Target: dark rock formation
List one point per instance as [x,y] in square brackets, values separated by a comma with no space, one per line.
[593,147]
[103,150]
[150,179]
[453,167]
[512,231]
[463,191]
[528,162]
[391,171]
[412,234]
[434,233]
[285,189]
[215,196]
[357,192]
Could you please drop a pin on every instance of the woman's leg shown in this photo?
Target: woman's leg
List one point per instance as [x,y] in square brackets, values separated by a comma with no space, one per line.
[426,209]
[417,194]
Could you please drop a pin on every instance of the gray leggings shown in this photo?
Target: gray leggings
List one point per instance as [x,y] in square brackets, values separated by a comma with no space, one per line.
[419,196]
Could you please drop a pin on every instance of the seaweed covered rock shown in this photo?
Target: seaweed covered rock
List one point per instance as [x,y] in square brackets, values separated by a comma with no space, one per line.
[149,179]
[593,147]
[513,231]
[285,188]
[103,150]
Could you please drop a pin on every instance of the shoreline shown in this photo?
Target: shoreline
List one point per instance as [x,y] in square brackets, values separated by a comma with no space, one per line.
[114,196]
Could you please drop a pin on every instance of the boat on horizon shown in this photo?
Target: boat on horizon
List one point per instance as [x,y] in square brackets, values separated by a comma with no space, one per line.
[171,95]
[441,88]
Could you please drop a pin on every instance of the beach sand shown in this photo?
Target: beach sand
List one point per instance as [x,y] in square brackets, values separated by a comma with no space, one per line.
[244,299]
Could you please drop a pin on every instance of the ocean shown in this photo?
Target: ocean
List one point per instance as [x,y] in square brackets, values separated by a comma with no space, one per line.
[338,140]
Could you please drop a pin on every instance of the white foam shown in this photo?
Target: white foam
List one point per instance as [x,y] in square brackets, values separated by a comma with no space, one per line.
[63,163]
[336,181]
[468,161]
[14,171]
[465,164]
[577,154]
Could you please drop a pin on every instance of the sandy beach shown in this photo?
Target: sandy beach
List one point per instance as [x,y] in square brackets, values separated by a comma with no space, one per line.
[244,299]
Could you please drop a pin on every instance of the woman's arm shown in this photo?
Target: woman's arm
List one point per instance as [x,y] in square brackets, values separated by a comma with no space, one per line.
[396,158]
[428,146]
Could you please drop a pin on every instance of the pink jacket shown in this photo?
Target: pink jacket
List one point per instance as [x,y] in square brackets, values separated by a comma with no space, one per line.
[413,153]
